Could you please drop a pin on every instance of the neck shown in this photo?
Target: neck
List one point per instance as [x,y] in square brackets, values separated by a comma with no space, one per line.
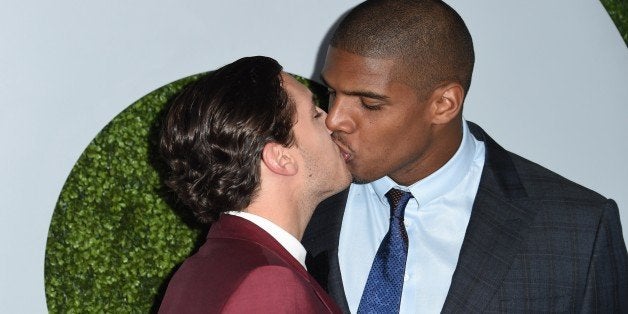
[290,215]
[445,143]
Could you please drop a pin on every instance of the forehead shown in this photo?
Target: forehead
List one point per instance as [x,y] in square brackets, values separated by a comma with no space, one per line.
[354,75]
[343,68]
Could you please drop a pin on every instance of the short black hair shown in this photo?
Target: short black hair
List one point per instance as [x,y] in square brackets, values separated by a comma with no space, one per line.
[215,130]
[428,37]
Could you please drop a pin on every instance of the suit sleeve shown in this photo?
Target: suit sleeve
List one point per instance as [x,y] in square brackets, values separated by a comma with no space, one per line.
[607,281]
[273,289]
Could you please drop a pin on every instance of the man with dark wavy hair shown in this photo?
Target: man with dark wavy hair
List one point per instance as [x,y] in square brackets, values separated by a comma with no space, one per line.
[480,229]
[248,150]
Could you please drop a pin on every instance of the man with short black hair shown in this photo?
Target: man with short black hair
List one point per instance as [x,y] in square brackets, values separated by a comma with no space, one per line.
[248,150]
[440,218]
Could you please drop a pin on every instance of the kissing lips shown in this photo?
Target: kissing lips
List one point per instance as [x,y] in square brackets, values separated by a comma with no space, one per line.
[344,152]
[346,156]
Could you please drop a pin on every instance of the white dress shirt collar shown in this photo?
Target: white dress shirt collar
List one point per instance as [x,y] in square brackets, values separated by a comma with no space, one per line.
[287,240]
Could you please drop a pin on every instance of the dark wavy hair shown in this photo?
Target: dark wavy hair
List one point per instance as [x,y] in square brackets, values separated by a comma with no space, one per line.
[215,130]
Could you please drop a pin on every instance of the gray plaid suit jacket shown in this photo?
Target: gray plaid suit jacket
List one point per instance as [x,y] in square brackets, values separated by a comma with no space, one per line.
[535,243]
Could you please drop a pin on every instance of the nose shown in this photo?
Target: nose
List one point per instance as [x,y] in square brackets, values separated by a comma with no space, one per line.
[339,117]
[326,127]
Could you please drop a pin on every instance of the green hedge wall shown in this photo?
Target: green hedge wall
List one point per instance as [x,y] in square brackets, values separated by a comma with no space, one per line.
[114,237]
[116,234]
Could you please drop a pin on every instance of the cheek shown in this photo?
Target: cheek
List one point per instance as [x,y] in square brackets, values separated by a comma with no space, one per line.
[378,145]
[381,134]
[389,140]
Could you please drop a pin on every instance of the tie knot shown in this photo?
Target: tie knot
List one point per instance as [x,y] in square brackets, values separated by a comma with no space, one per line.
[398,200]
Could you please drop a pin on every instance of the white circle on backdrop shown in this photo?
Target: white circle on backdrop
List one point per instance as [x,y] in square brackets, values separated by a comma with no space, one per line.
[549,84]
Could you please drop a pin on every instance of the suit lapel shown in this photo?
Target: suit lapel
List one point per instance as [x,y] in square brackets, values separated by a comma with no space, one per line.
[495,232]
[321,242]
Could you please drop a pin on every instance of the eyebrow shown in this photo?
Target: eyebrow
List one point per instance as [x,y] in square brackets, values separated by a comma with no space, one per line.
[359,93]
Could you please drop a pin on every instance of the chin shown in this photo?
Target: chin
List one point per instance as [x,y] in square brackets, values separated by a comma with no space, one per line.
[359,180]
[356,177]
[363,177]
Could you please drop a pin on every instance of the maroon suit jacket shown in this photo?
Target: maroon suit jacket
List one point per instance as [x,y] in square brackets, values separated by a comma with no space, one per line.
[243,269]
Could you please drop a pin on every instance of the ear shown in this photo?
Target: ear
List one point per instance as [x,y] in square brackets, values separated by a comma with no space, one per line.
[447,102]
[279,159]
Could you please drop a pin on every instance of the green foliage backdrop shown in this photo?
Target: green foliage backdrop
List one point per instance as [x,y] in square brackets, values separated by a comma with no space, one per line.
[113,237]
[116,236]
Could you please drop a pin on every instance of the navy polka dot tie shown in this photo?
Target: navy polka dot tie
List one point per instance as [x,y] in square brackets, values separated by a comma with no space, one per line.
[382,293]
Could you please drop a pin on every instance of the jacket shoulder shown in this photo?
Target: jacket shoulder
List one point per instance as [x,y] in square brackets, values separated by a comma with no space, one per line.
[206,279]
[544,184]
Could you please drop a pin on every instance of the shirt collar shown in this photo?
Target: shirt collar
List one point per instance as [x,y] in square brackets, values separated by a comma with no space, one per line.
[439,182]
[288,241]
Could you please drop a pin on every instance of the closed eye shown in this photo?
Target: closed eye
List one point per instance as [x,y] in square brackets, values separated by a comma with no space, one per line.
[370,107]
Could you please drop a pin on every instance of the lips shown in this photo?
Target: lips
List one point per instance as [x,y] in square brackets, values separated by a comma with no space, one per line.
[344,151]
[345,156]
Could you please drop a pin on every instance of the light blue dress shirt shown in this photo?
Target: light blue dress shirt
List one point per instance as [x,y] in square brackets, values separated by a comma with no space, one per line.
[436,220]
